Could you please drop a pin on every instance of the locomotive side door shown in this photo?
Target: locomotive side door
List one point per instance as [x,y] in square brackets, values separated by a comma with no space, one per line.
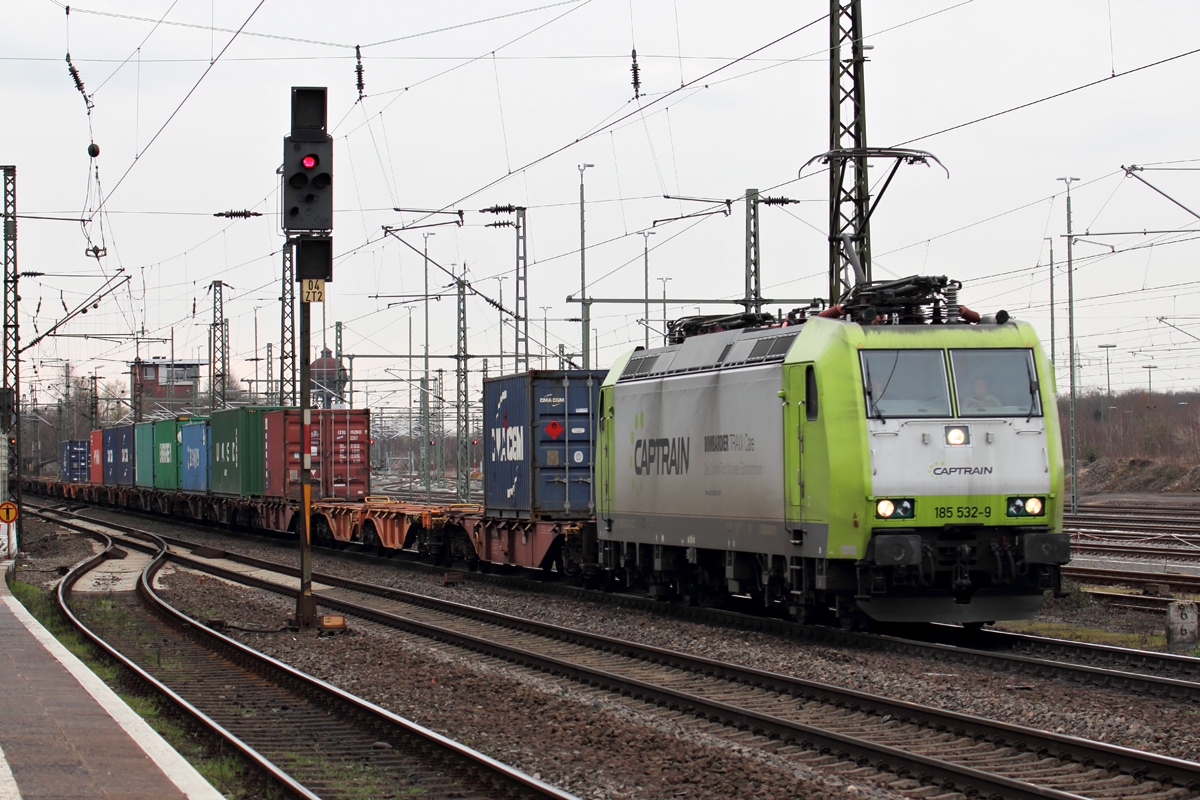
[793,437]
[605,477]
[804,445]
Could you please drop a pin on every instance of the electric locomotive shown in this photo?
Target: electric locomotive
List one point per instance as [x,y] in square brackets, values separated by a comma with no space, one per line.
[895,457]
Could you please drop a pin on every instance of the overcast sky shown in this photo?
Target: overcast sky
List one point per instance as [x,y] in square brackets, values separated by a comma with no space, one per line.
[470,104]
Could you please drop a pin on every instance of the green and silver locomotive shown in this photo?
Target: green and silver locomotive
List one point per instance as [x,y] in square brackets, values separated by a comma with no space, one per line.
[894,458]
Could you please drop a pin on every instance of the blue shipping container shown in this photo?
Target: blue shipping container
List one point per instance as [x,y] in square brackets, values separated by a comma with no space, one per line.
[539,444]
[125,455]
[194,457]
[110,456]
[74,462]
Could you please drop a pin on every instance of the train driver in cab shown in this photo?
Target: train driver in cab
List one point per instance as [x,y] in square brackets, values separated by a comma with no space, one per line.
[981,398]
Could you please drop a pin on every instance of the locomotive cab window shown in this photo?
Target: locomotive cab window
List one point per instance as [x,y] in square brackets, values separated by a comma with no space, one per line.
[995,383]
[810,393]
[905,383]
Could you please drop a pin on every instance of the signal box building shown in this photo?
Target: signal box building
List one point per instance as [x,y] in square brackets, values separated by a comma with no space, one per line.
[165,385]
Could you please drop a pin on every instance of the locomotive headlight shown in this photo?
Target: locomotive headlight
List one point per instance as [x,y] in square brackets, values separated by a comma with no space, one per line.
[958,435]
[903,508]
[1026,507]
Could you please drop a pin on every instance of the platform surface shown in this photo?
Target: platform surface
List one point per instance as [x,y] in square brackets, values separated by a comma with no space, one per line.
[65,734]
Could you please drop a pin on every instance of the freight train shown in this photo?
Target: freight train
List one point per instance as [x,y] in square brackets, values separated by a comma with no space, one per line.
[895,457]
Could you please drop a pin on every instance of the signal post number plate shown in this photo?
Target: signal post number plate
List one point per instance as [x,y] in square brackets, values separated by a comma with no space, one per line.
[312,291]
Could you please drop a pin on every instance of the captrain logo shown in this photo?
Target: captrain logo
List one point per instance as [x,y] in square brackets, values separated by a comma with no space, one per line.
[667,455]
[939,469]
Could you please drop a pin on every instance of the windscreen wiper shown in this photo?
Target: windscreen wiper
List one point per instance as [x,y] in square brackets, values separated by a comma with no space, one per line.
[1033,387]
[871,392]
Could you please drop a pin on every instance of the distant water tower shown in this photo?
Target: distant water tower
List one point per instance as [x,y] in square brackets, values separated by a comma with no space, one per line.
[329,380]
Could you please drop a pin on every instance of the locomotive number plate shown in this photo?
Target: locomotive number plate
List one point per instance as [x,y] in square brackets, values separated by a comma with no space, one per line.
[962,512]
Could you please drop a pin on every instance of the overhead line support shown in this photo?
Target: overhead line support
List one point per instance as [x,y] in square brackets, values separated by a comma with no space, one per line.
[10,392]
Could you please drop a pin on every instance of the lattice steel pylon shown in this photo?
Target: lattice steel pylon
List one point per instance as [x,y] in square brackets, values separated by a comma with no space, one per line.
[287,329]
[753,299]
[849,191]
[521,323]
[461,401]
[218,348]
[12,337]
[270,373]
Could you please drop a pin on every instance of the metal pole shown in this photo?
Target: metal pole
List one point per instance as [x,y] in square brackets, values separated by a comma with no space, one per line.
[646,264]
[753,287]
[426,455]
[1149,382]
[287,336]
[545,336]
[521,306]
[664,283]
[587,310]
[1071,346]
[1108,403]
[306,604]
[462,409]
[500,279]
[11,422]
[1052,359]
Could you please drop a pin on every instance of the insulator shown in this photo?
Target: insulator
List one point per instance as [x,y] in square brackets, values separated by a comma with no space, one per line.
[952,303]
[75,76]
[358,71]
[637,78]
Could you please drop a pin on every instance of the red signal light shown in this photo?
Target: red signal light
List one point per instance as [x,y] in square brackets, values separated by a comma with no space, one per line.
[309,161]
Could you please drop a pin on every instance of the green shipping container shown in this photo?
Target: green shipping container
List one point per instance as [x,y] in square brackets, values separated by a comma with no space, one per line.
[143,454]
[238,466]
[166,452]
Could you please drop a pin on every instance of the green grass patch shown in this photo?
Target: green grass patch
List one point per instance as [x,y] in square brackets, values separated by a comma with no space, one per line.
[355,780]
[226,772]
[1079,633]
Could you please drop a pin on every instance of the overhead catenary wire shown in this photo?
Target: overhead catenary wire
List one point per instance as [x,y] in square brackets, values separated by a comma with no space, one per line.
[181,104]
[381,120]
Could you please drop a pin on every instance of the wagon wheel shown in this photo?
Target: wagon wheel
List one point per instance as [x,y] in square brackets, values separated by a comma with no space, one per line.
[371,540]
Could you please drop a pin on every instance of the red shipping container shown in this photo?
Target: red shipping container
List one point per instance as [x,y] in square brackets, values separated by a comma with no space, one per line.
[340,445]
[96,464]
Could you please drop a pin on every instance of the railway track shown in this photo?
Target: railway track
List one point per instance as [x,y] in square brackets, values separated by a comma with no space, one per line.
[1175,581]
[1132,602]
[1139,671]
[1181,529]
[1128,551]
[307,737]
[820,723]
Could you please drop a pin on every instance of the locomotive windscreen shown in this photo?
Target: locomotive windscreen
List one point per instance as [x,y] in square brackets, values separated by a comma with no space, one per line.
[995,383]
[905,383]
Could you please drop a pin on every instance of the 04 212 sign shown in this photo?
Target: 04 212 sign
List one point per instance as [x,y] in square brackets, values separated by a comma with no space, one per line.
[312,291]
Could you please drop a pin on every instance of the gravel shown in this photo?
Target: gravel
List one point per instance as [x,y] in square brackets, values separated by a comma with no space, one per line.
[573,738]
[372,659]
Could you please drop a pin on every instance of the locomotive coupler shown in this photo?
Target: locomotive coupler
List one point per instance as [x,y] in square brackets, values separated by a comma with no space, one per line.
[962,570]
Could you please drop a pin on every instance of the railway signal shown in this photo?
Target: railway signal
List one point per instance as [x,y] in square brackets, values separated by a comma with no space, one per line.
[307,192]
[308,164]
